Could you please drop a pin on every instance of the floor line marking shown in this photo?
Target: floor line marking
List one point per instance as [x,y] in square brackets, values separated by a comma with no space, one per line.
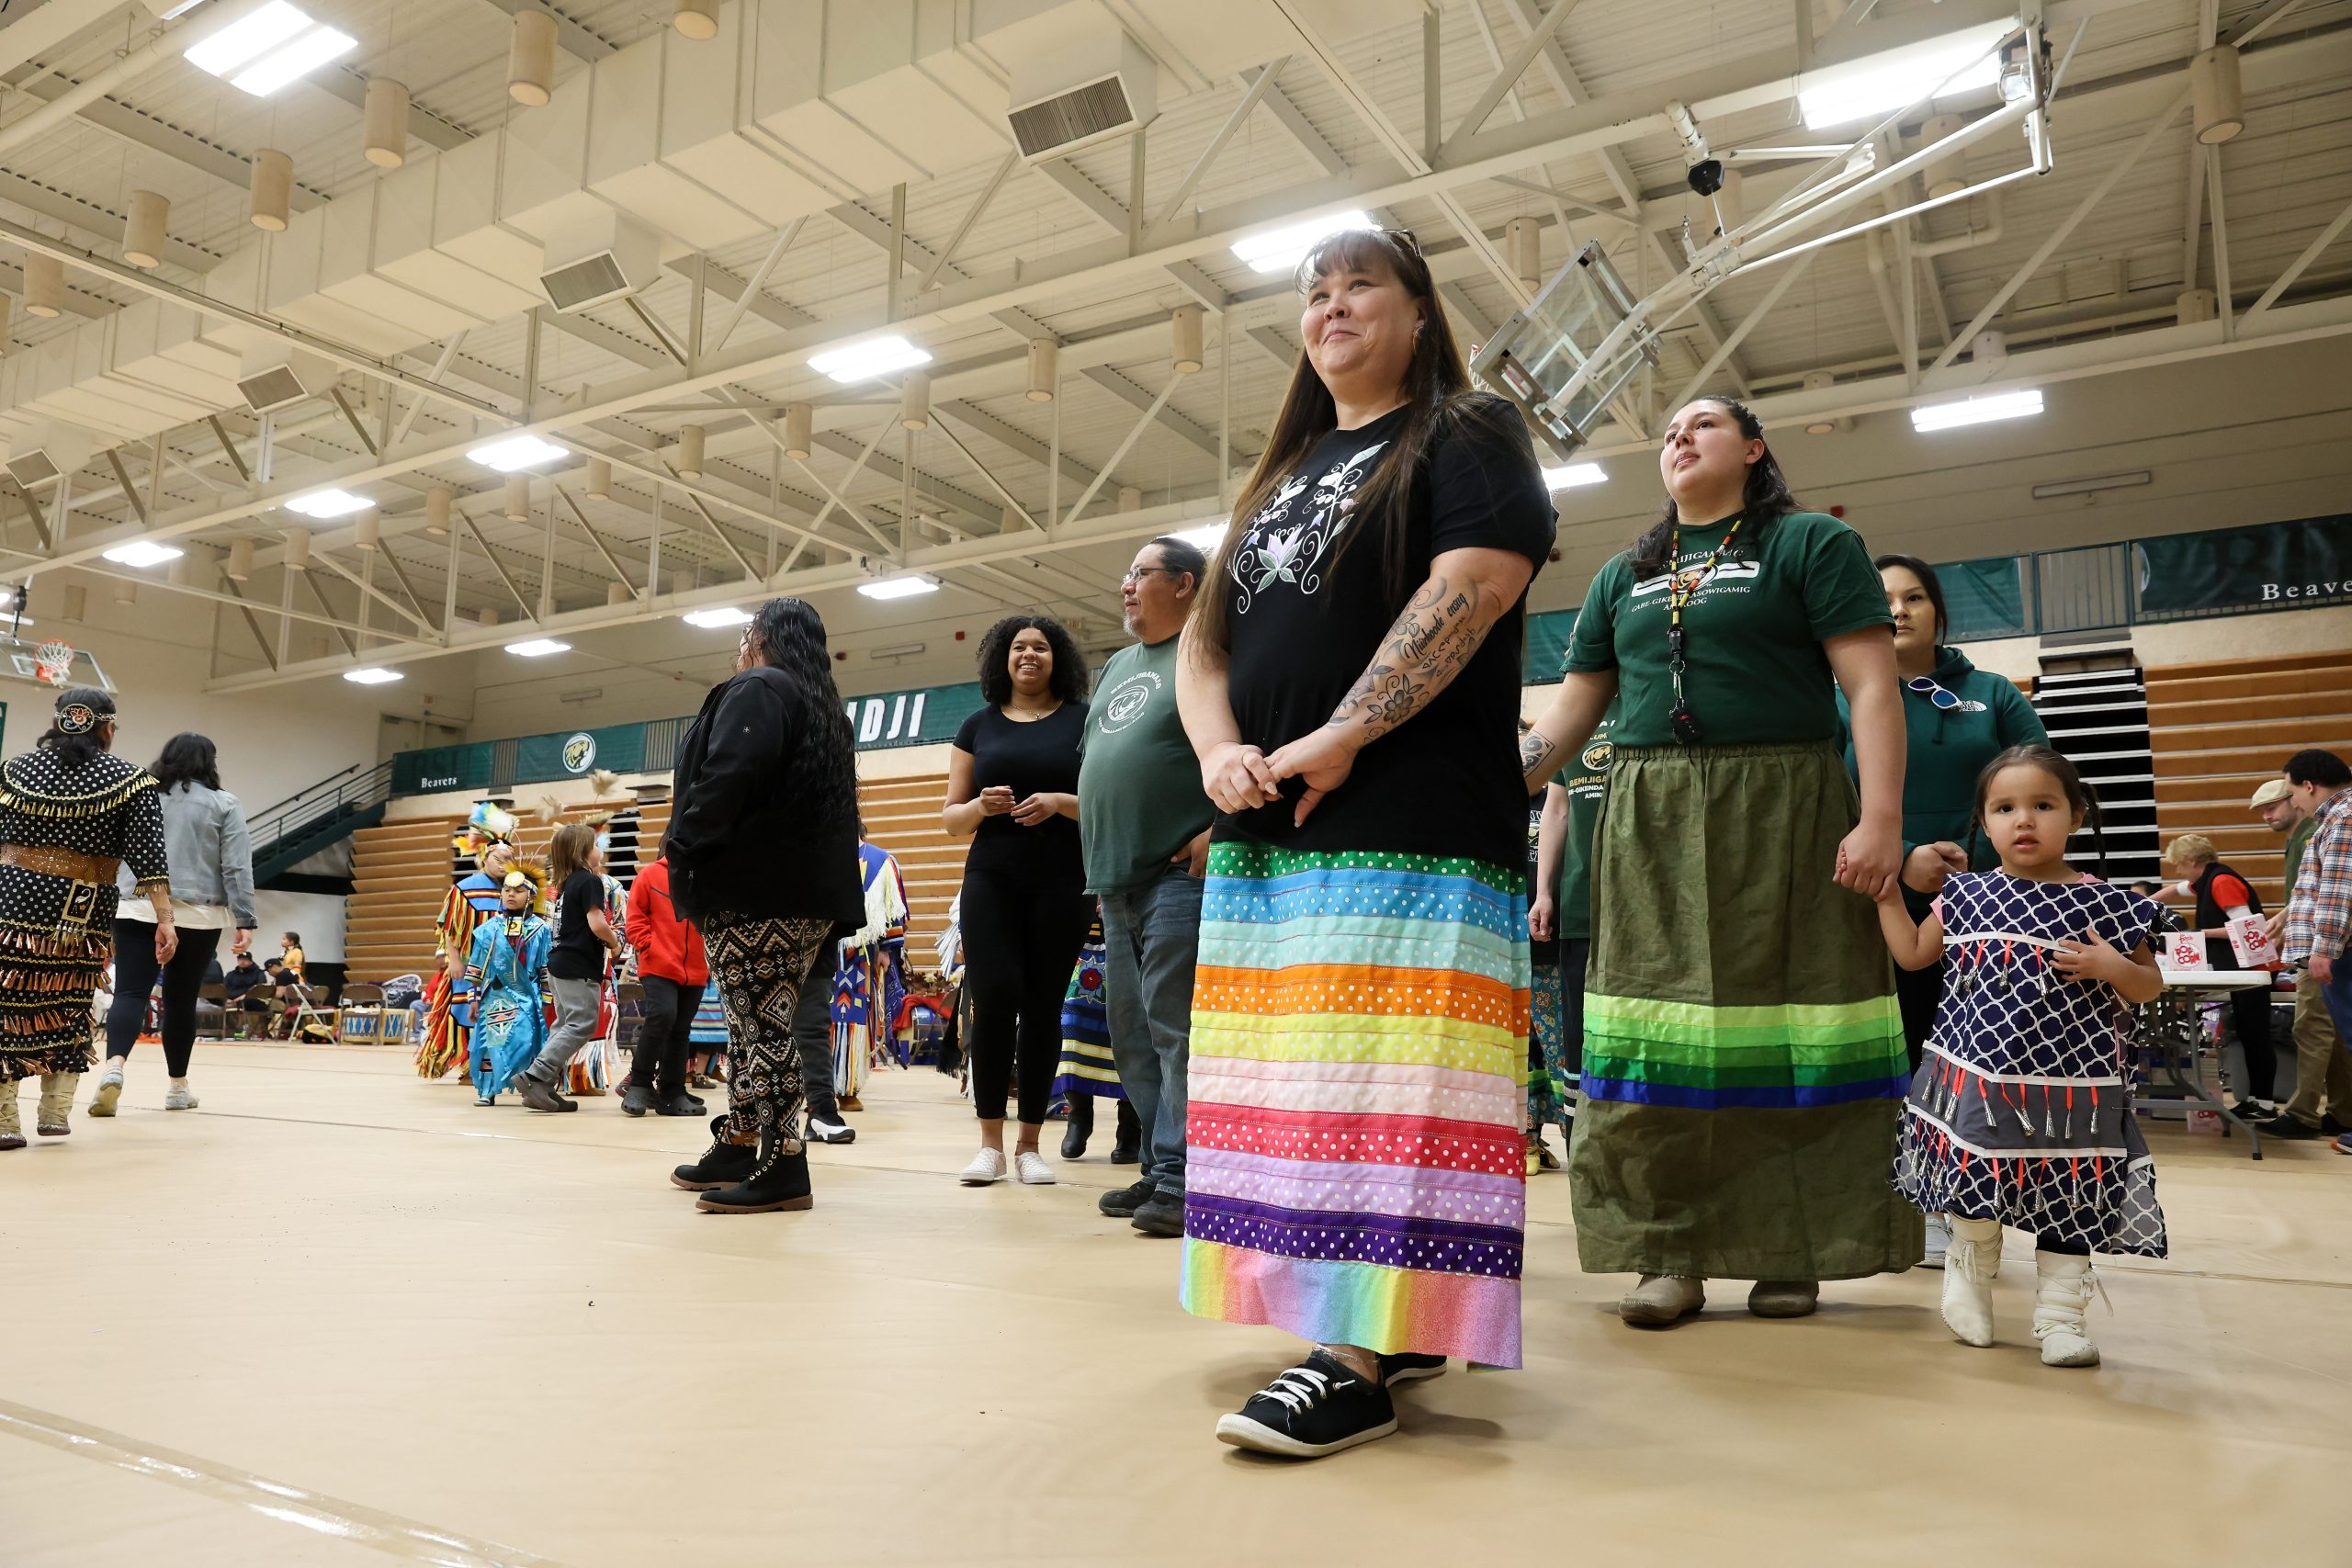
[353,1522]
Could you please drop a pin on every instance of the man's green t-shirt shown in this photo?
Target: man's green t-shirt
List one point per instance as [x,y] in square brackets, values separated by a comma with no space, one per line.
[2296,837]
[1139,796]
[1753,630]
[1586,780]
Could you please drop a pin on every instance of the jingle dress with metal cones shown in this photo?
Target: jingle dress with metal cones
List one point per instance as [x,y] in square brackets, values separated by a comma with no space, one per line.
[2020,1112]
[56,929]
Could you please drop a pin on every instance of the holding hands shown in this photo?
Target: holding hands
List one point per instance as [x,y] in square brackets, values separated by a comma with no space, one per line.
[1925,869]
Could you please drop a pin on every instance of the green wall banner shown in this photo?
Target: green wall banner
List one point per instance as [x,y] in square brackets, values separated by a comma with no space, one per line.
[577,753]
[926,716]
[438,768]
[2279,566]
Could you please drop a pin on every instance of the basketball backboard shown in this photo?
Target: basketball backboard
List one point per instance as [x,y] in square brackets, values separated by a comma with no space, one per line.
[41,662]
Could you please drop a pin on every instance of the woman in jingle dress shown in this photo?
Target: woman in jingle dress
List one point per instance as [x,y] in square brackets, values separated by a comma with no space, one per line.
[70,814]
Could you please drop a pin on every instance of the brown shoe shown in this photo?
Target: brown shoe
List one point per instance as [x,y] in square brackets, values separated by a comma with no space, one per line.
[1784,1298]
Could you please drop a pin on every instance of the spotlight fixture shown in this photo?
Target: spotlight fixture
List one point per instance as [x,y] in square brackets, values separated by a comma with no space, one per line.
[863,361]
[537,647]
[898,587]
[1279,250]
[371,675]
[516,452]
[328,502]
[1976,411]
[728,616]
[143,553]
[1880,84]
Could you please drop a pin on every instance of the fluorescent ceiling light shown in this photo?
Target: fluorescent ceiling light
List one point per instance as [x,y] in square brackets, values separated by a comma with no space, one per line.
[1877,85]
[1279,250]
[329,503]
[243,42]
[143,552]
[371,675]
[1977,411]
[516,452]
[1575,474]
[538,647]
[897,588]
[728,616]
[863,361]
[263,52]
[293,63]
[1207,536]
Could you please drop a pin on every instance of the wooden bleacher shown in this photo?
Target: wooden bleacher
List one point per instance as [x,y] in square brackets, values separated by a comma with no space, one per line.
[401,872]
[2220,728]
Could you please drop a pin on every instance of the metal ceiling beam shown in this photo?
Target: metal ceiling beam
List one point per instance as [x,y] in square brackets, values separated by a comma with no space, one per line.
[184,147]
[1091,198]
[1015,438]
[93,219]
[1134,397]
[575,40]
[424,126]
[1302,130]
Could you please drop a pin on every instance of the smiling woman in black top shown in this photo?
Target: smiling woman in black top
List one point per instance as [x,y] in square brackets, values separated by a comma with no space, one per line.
[1013,789]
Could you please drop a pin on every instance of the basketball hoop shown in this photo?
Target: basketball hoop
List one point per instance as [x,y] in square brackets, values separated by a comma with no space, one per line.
[53,662]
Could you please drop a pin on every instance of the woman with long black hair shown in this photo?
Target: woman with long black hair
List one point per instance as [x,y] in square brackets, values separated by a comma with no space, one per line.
[211,856]
[1349,678]
[72,816]
[762,852]
[1013,789]
[1744,1066]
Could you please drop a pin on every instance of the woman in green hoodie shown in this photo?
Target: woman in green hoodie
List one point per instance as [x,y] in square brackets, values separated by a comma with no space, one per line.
[1956,718]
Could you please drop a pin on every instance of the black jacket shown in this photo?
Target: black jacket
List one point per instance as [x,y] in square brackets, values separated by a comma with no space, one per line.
[737,843]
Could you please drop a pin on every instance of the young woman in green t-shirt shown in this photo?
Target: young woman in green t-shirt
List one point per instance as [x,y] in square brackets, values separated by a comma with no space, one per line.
[1744,1066]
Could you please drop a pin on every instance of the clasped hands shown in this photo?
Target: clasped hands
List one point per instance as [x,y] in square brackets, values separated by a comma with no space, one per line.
[997,800]
[1240,777]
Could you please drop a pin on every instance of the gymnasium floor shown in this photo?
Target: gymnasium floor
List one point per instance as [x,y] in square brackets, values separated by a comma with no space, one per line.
[339,1315]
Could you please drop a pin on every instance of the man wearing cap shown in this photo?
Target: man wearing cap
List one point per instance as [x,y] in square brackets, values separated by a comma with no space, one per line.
[2312,929]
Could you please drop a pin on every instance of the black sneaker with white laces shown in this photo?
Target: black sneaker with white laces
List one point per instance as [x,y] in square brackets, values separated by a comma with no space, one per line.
[1406,1367]
[1315,1408]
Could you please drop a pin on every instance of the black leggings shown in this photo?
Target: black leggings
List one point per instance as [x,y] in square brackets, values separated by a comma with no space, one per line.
[134,979]
[659,1062]
[2250,1010]
[1022,934]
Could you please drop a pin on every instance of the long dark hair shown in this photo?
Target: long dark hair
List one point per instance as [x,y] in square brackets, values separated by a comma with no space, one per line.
[1438,395]
[1930,584]
[75,750]
[2079,796]
[1067,679]
[1763,501]
[188,757]
[788,635]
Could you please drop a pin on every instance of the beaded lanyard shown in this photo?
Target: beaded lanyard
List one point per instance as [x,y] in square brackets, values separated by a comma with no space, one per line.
[1686,723]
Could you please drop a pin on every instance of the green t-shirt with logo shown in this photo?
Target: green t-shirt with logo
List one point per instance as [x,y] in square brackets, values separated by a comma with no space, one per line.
[1587,780]
[1139,796]
[1753,629]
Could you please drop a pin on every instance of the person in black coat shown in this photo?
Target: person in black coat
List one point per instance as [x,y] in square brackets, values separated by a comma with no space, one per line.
[762,852]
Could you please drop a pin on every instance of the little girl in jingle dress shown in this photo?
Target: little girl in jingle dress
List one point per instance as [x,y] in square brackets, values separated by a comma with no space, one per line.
[2020,1112]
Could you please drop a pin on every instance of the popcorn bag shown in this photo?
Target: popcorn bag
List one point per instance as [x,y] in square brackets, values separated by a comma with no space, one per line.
[2183,950]
[2251,943]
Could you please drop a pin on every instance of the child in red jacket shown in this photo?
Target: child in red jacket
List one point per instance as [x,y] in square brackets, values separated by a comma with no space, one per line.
[672,972]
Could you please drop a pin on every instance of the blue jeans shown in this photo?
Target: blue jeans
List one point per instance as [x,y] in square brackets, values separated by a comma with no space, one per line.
[1153,936]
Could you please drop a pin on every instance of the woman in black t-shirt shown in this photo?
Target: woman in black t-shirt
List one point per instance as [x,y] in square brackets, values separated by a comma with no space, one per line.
[1349,679]
[1013,789]
[585,940]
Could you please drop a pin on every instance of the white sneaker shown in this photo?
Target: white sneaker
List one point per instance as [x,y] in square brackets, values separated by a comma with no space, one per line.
[177,1097]
[987,1166]
[109,1091]
[824,1132]
[1034,1171]
[1971,1264]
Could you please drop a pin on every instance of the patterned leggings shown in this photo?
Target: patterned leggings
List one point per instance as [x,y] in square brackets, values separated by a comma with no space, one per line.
[758,965]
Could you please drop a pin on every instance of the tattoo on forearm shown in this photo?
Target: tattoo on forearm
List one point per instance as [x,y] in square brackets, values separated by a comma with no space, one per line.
[1425,648]
[1535,751]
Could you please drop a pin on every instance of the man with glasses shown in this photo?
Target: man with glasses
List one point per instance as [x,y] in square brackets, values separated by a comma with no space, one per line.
[1144,822]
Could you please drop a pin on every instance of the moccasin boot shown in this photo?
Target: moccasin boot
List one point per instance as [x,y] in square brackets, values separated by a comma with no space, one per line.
[1662,1299]
[1971,1263]
[2062,1290]
[12,1130]
[1784,1298]
[56,1104]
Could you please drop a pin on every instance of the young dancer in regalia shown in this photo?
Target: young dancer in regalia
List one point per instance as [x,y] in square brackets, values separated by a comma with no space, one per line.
[513,998]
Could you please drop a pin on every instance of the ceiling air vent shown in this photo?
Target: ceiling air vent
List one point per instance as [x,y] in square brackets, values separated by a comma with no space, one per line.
[1081,94]
[273,388]
[31,469]
[604,258]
